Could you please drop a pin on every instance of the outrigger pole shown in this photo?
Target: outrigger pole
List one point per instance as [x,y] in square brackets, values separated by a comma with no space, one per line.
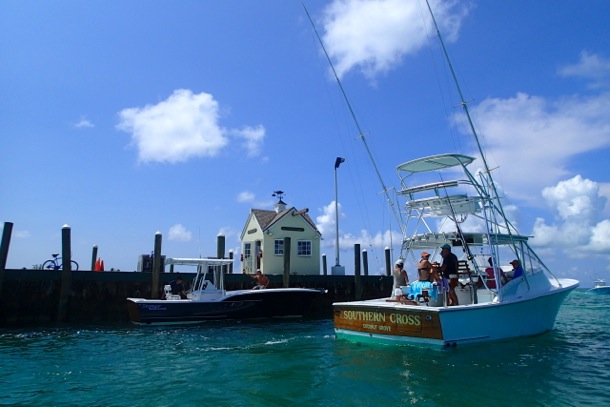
[361,133]
[464,105]
[495,199]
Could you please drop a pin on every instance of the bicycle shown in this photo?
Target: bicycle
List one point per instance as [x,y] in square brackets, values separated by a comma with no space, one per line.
[55,263]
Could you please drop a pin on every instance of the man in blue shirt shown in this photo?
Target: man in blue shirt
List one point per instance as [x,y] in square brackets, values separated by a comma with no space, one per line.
[517,271]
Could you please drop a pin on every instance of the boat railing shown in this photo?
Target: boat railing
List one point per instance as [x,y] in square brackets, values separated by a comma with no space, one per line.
[445,206]
[433,186]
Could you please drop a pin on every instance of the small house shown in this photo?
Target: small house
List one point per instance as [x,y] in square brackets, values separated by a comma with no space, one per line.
[265,233]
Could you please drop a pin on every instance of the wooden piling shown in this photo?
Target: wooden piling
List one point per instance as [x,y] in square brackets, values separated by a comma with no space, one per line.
[157,266]
[365,262]
[286,279]
[220,246]
[357,278]
[4,245]
[93,257]
[66,273]
[388,262]
[231,254]
[324,266]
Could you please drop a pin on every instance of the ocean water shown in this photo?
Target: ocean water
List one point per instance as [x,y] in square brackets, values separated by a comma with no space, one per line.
[300,363]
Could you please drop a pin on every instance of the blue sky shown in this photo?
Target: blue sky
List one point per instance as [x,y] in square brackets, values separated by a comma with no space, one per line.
[122,119]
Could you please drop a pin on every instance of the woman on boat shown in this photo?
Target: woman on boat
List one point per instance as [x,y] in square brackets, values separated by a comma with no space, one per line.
[401,278]
[424,268]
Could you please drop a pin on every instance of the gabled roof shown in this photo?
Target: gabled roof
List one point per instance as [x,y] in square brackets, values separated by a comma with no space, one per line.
[266,218]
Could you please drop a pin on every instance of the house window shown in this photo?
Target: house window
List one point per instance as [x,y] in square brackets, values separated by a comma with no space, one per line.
[247,250]
[304,248]
[278,247]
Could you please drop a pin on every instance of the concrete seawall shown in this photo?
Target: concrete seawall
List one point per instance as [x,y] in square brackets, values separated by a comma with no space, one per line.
[34,296]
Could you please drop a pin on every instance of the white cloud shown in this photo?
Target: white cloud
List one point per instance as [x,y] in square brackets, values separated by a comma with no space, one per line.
[179,233]
[375,35]
[326,224]
[83,123]
[529,132]
[250,198]
[252,139]
[592,67]
[245,196]
[600,237]
[578,226]
[22,234]
[327,221]
[182,127]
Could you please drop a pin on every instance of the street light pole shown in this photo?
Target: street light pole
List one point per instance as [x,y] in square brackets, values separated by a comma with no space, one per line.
[337,269]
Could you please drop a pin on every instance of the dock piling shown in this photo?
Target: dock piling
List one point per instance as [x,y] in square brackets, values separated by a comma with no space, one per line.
[286,279]
[220,246]
[324,266]
[4,245]
[357,279]
[157,266]
[66,273]
[365,262]
[93,257]
[388,262]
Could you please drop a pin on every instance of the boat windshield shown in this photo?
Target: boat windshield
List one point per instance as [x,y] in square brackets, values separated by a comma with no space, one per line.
[214,267]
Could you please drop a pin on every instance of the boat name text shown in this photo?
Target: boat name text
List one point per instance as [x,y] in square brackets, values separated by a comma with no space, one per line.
[372,316]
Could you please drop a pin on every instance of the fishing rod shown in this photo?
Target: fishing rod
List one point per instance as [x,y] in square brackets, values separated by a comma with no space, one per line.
[360,132]
[464,105]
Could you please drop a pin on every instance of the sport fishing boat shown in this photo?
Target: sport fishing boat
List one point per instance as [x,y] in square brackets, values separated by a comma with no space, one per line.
[207,299]
[490,307]
[447,205]
[599,287]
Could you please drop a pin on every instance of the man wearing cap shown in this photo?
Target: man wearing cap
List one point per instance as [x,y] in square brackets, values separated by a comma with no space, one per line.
[517,270]
[400,277]
[449,270]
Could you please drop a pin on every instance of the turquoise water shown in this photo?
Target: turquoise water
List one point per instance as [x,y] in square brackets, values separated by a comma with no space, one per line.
[302,364]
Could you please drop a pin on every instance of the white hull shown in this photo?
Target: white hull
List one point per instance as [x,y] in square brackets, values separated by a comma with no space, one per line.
[441,327]
[600,290]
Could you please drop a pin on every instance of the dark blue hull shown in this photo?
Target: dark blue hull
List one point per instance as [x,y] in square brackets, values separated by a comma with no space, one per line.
[246,304]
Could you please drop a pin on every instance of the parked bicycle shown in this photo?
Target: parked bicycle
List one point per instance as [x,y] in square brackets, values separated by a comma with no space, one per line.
[56,264]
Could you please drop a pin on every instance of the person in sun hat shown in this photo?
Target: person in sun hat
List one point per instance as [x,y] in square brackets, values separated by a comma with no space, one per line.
[401,278]
[449,271]
[424,268]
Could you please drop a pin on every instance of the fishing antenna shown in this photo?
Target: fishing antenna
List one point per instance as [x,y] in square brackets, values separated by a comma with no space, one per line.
[360,132]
